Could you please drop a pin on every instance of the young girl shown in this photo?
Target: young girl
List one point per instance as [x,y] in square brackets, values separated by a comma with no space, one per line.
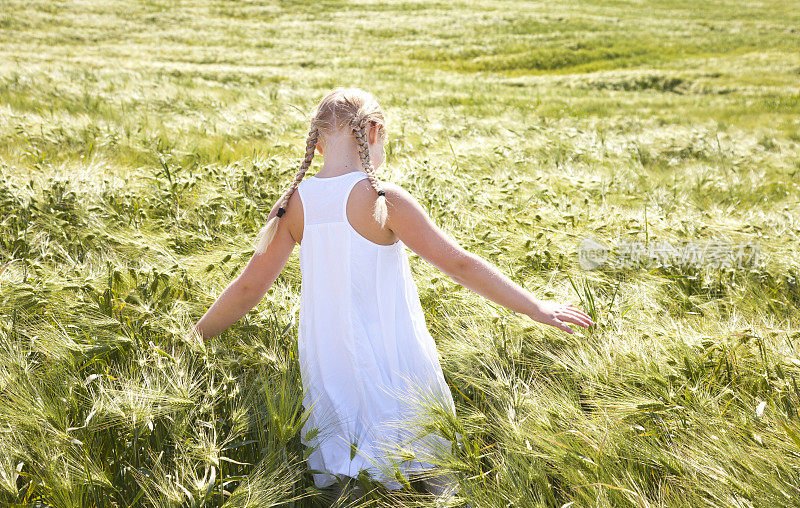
[364,349]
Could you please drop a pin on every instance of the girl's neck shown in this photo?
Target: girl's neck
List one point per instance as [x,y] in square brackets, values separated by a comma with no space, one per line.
[330,169]
[340,156]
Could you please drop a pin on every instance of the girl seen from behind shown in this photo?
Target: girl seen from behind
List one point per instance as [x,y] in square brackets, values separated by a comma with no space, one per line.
[363,345]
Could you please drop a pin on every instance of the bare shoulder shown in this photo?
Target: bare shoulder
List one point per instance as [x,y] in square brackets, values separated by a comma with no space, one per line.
[402,205]
[412,224]
[398,196]
[292,219]
[394,189]
[359,213]
[362,187]
[406,214]
[363,194]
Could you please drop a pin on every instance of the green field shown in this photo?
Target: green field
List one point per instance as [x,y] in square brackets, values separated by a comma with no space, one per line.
[142,145]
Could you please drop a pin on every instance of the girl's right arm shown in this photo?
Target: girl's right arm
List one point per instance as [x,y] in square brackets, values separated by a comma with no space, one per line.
[408,220]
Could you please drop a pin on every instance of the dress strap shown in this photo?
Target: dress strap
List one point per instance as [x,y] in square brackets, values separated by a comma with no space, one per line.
[325,199]
[347,192]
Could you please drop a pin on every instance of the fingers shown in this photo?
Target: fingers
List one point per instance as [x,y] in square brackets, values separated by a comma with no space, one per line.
[577,321]
[575,309]
[556,322]
[571,315]
[577,317]
[559,315]
[562,326]
[579,314]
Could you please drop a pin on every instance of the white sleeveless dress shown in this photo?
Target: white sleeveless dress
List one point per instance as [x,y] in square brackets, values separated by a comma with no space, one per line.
[365,353]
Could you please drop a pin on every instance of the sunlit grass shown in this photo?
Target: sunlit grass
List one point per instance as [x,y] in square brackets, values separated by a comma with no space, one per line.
[142,145]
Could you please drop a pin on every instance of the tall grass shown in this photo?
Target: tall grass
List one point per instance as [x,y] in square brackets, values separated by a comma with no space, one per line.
[142,145]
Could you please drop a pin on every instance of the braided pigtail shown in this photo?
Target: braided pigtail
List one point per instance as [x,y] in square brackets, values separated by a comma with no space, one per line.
[267,233]
[381,212]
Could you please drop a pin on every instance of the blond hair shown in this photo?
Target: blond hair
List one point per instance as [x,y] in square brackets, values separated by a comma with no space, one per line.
[342,108]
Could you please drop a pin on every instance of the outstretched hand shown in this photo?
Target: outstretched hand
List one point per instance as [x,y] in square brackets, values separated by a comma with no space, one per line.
[559,314]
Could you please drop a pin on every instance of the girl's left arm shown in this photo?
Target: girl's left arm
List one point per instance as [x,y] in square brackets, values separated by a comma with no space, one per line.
[251,285]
